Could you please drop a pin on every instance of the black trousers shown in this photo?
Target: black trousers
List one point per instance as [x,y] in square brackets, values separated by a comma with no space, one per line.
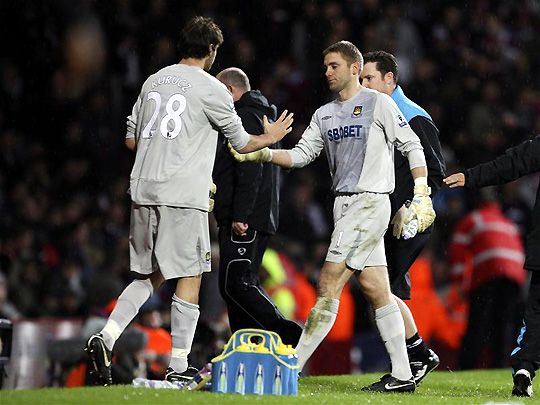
[400,255]
[248,305]
[492,323]
[527,353]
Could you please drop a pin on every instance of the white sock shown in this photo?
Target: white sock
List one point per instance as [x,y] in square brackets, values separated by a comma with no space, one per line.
[184,317]
[392,329]
[127,307]
[319,322]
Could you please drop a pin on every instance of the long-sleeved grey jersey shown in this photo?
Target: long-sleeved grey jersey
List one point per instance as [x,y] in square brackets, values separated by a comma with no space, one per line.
[175,122]
[358,136]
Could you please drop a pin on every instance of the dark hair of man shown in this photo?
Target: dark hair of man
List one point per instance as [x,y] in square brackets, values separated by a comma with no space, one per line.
[197,36]
[348,50]
[384,61]
[235,77]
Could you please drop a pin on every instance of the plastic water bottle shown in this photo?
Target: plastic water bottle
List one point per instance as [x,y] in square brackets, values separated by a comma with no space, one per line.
[222,378]
[289,374]
[277,385]
[200,379]
[240,386]
[410,229]
[259,380]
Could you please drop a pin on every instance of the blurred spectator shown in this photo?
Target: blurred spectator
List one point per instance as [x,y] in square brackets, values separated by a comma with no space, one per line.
[158,346]
[7,309]
[486,255]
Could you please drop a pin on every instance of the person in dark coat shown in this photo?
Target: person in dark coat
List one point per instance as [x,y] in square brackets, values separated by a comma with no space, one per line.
[380,73]
[247,212]
[514,163]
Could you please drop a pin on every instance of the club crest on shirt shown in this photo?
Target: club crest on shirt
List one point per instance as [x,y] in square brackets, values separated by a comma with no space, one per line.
[402,122]
[357,110]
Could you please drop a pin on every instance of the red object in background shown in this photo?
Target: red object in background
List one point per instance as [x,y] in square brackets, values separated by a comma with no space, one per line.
[159,344]
[50,256]
[76,377]
[491,243]
[333,356]
[305,297]
[433,319]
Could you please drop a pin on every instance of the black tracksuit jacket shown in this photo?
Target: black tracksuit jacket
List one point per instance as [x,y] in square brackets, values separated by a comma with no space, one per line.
[247,192]
[514,163]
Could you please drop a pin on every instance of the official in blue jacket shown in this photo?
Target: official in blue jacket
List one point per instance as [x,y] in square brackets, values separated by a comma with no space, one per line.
[380,73]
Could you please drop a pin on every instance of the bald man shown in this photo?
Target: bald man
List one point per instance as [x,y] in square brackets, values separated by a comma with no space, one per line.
[247,209]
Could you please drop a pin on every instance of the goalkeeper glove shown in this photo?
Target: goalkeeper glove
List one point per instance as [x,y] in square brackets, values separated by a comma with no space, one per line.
[401,228]
[263,155]
[211,194]
[421,208]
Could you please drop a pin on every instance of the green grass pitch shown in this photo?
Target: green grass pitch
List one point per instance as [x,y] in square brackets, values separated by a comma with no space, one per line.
[471,387]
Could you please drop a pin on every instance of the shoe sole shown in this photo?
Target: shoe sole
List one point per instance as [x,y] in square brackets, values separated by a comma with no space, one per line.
[182,378]
[428,370]
[94,348]
[400,390]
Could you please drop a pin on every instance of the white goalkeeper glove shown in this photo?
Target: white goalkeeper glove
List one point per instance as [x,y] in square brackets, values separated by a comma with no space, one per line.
[401,228]
[263,155]
[421,208]
[211,194]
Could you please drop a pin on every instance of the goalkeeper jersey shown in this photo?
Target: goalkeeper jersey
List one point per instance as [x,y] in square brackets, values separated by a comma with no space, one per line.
[358,136]
[175,122]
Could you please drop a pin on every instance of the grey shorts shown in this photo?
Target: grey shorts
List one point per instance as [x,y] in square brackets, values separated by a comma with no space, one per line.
[173,240]
[360,222]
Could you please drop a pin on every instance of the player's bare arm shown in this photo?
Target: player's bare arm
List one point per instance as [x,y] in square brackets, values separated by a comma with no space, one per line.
[273,132]
[279,157]
[455,180]
[418,172]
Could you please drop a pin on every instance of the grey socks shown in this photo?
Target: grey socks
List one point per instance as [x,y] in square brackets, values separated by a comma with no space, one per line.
[320,321]
[127,307]
[184,317]
[392,329]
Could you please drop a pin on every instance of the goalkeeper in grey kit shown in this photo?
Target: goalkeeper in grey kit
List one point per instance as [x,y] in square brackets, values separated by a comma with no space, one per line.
[358,131]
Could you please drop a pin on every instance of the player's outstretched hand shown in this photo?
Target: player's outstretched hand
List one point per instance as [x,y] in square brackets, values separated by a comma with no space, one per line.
[421,208]
[263,155]
[455,180]
[281,127]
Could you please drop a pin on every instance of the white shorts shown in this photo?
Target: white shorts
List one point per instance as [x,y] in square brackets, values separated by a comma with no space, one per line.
[360,222]
[173,240]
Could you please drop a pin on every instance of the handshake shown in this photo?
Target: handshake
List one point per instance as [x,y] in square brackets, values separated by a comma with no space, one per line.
[263,155]
[414,216]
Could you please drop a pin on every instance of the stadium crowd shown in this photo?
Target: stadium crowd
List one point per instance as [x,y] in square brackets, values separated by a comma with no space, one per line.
[69,73]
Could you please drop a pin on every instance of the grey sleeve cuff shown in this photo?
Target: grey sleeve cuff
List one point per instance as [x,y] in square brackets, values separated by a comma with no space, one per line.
[239,141]
[416,158]
[298,157]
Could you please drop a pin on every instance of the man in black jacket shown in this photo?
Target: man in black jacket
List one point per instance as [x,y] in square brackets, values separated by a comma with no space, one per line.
[247,211]
[517,162]
[380,73]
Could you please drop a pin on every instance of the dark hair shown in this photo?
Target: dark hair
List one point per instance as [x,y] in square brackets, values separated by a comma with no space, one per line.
[348,50]
[197,36]
[385,62]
